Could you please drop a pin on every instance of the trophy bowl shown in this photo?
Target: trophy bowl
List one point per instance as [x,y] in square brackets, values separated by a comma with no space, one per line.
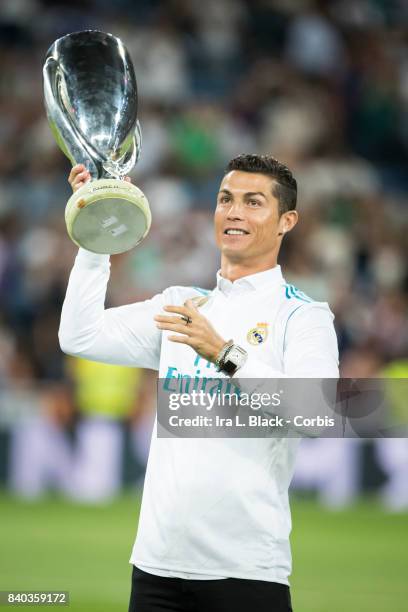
[91,101]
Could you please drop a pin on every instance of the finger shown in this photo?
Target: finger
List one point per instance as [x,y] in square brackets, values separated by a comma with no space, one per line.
[182,310]
[128,179]
[84,176]
[190,304]
[75,170]
[181,339]
[180,328]
[80,180]
[78,168]
[78,185]
[78,176]
[163,319]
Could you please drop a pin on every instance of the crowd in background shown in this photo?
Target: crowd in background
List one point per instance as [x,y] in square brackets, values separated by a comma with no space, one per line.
[322,85]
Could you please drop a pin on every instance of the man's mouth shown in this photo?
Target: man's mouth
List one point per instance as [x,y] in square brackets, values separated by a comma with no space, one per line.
[235,232]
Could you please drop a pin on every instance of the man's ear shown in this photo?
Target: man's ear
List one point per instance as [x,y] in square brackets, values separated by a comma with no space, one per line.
[287,222]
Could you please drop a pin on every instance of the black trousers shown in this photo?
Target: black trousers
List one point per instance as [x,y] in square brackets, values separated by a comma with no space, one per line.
[156,594]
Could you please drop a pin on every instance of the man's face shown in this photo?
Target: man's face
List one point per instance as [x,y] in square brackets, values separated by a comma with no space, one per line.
[247,219]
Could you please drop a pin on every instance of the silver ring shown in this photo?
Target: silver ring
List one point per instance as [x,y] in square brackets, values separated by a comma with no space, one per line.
[188,320]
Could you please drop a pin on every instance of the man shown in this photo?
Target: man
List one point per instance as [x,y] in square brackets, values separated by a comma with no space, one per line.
[215,520]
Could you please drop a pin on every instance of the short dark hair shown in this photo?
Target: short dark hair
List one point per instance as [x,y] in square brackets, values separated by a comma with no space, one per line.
[285,188]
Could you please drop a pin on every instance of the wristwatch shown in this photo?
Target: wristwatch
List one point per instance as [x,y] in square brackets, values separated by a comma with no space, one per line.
[231,358]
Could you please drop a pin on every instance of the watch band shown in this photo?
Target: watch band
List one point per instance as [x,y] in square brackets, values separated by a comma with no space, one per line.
[219,361]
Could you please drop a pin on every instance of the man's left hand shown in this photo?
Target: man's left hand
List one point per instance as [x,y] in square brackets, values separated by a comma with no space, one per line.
[194,329]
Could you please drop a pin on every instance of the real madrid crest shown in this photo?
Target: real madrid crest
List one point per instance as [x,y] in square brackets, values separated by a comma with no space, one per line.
[258,334]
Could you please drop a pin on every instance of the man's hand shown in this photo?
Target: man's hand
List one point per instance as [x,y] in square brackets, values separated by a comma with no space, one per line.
[79,175]
[193,329]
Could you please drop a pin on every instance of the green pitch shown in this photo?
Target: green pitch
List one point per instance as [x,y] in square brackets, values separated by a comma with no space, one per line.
[354,560]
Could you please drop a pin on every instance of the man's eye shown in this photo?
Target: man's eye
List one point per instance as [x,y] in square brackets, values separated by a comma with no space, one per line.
[254,203]
[224,199]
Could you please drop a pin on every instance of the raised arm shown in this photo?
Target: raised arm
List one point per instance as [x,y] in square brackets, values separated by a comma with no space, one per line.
[125,335]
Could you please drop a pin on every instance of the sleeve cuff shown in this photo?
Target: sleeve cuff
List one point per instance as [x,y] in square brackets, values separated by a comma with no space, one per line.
[86,259]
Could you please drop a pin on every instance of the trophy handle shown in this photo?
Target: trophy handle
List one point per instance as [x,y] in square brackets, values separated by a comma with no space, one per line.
[120,167]
[138,140]
[61,125]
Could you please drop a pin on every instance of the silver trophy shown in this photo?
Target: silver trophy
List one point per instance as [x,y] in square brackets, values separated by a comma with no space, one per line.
[91,102]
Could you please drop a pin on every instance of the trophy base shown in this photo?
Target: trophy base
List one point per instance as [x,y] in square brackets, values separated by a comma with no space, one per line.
[108,216]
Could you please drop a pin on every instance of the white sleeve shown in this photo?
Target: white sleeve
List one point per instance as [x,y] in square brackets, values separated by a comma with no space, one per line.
[126,335]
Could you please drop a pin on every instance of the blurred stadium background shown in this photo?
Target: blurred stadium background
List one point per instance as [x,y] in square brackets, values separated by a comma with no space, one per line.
[323,86]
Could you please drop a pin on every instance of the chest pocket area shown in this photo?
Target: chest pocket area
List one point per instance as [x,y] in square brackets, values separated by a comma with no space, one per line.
[262,339]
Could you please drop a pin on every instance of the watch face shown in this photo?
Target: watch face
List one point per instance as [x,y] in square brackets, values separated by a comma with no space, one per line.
[236,356]
[232,355]
[235,359]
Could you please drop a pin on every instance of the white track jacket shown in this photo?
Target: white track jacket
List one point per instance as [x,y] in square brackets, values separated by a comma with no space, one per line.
[211,507]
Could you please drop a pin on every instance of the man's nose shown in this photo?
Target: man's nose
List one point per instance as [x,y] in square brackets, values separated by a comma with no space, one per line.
[235,211]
